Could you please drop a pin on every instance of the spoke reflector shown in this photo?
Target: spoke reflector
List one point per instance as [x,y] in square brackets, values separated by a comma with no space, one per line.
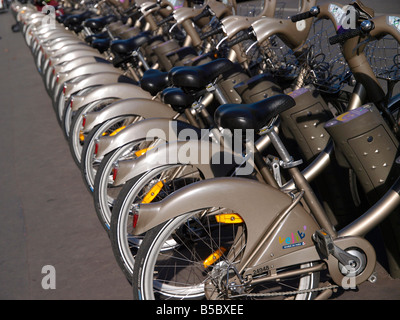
[214,257]
[154,191]
[229,218]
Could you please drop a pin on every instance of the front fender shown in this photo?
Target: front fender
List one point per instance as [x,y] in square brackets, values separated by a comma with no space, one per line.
[209,157]
[143,107]
[71,55]
[115,90]
[86,68]
[261,207]
[98,79]
[141,130]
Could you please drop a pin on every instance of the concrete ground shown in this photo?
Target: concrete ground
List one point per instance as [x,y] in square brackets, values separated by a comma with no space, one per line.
[46,213]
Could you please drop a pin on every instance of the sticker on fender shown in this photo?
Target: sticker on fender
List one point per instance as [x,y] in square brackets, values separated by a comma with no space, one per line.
[394,21]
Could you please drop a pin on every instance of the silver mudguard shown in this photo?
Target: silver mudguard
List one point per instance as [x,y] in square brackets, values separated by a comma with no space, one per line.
[53,60]
[260,205]
[146,108]
[139,131]
[68,67]
[209,157]
[69,48]
[60,38]
[58,42]
[115,90]
[87,68]
[91,80]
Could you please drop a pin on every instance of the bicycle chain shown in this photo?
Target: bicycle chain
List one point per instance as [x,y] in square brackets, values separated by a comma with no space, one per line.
[286,293]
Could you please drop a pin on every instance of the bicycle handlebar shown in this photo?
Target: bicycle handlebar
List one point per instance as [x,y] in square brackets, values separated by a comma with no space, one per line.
[351,33]
[365,27]
[165,20]
[243,37]
[205,13]
[155,5]
[211,33]
[305,15]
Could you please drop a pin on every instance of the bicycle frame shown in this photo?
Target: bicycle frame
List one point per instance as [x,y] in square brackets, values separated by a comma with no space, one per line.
[264,252]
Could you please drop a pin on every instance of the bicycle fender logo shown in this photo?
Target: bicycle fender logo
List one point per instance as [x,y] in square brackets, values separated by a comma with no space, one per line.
[294,239]
[394,22]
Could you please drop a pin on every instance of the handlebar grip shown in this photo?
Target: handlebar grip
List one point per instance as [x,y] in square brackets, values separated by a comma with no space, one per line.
[344,36]
[205,13]
[301,16]
[210,33]
[127,11]
[152,6]
[165,20]
[243,37]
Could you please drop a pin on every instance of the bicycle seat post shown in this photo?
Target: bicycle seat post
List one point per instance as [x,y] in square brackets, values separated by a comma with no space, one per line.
[301,182]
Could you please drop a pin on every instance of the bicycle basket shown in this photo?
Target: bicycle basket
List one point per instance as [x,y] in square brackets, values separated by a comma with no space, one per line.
[384,58]
[327,69]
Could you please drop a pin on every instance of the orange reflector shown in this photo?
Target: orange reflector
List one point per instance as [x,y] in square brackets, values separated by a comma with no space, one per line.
[214,257]
[154,191]
[81,136]
[142,151]
[229,218]
[117,130]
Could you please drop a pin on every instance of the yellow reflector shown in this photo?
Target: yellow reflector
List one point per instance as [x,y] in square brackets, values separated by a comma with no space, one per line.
[81,136]
[214,257]
[117,130]
[229,218]
[154,191]
[142,151]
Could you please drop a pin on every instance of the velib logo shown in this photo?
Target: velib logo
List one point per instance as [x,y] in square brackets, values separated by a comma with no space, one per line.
[294,239]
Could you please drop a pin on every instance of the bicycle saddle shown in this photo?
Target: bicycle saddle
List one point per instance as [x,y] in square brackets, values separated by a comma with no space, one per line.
[154,81]
[92,37]
[178,99]
[254,115]
[199,76]
[96,24]
[76,19]
[129,45]
[101,44]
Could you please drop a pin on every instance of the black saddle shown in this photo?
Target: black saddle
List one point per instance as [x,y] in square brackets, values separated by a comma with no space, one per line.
[124,47]
[198,77]
[96,24]
[154,81]
[89,39]
[77,19]
[178,99]
[252,116]
[101,44]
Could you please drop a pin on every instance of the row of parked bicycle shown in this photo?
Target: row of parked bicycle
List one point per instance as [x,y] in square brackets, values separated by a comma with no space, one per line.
[230,157]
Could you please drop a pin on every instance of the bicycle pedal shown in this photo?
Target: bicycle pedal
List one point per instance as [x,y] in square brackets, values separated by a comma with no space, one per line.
[324,243]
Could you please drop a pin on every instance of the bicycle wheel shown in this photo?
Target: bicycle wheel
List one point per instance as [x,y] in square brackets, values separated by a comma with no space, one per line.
[104,192]
[150,187]
[76,138]
[89,161]
[201,262]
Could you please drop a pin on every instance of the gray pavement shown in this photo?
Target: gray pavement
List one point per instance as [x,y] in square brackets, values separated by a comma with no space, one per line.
[46,213]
